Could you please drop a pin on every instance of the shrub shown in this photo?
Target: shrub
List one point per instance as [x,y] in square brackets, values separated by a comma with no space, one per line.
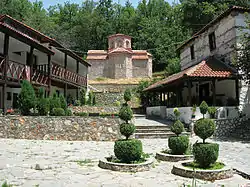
[128,150]
[127,95]
[127,129]
[68,112]
[203,108]
[83,96]
[117,103]
[205,154]
[58,112]
[126,113]
[177,113]
[43,106]
[54,102]
[204,128]
[90,99]
[77,103]
[178,144]
[212,112]
[63,103]
[177,127]
[70,99]
[26,98]
[82,114]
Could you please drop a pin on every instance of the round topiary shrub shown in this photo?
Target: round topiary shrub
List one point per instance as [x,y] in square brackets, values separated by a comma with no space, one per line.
[128,151]
[204,128]
[177,127]
[203,108]
[127,129]
[205,154]
[58,112]
[178,144]
[127,95]
[126,113]
[177,113]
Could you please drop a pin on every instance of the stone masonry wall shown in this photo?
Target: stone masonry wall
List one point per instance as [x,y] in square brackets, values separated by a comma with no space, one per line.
[225,127]
[60,128]
[96,109]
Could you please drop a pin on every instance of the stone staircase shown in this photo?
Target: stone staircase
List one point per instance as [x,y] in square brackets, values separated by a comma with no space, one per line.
[152,132]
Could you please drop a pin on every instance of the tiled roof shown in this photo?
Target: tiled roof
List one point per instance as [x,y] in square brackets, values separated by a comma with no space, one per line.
[27,38]
[221,16]
[45,38]
[119,50]
[210,68]
[97,52]
[140,57]
[114,35]
[139,52]
[96,57]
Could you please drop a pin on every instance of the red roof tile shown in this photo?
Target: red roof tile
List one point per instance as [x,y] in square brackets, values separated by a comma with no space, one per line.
[140,57]
[119,50]
[211,67]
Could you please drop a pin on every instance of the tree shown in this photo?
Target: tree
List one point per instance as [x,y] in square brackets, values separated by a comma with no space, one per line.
[27,98]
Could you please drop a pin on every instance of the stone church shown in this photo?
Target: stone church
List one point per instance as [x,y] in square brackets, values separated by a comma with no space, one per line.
[119,61]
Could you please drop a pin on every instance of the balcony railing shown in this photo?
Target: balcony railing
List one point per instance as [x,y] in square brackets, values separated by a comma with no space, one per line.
[67,75]
[17,72]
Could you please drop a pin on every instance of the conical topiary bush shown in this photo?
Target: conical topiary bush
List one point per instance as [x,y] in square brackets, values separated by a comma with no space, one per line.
[178,144]
[205,154]
[127,150]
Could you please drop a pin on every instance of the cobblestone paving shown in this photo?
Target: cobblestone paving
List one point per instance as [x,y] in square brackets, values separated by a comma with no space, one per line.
[73,164]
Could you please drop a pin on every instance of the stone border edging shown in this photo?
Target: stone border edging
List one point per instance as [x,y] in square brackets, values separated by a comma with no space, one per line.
[172,158]
[243,174]
[104,164]
[209,175]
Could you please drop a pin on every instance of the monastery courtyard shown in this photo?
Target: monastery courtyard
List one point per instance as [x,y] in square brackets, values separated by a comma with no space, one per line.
[73,164]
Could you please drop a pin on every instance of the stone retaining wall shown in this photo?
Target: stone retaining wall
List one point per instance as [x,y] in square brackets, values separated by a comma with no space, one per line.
[60,128]
[95,109]
[225,127]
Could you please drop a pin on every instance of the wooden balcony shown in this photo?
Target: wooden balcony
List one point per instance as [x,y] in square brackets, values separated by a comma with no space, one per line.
[15,72]
[59,72]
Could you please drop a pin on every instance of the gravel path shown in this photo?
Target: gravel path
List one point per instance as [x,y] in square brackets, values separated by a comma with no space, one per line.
[67,164]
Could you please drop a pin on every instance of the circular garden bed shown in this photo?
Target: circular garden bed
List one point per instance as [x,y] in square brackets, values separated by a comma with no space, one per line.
[189,169]
[111,164]
[164,156]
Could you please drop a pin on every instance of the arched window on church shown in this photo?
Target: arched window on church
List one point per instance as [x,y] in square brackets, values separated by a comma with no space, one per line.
[120,43]
[112,45]
[127,44]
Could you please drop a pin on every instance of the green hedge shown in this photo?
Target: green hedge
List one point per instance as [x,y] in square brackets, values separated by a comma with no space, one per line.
[204,128]
[205,154]
[128,150]
[58,112]
[177,127]
[178,144]
[127,129]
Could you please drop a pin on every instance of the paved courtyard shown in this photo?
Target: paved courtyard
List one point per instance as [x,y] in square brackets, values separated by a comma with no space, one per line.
[67,164]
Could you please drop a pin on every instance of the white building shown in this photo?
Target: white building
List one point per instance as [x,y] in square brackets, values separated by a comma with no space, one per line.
[207,70]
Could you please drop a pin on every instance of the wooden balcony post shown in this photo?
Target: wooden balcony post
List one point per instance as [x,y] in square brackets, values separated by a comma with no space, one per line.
[189,93]
[49,74]
[214,91]
[65,64]
[237,91]
[31,62]
[6,56]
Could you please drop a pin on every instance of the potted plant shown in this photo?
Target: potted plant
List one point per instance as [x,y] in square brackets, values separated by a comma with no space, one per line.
[193,111]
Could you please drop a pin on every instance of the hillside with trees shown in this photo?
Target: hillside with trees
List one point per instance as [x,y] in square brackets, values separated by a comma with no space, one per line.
[154,25]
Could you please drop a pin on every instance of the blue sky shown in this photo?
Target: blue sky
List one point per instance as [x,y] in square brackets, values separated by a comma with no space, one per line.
[48,3]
